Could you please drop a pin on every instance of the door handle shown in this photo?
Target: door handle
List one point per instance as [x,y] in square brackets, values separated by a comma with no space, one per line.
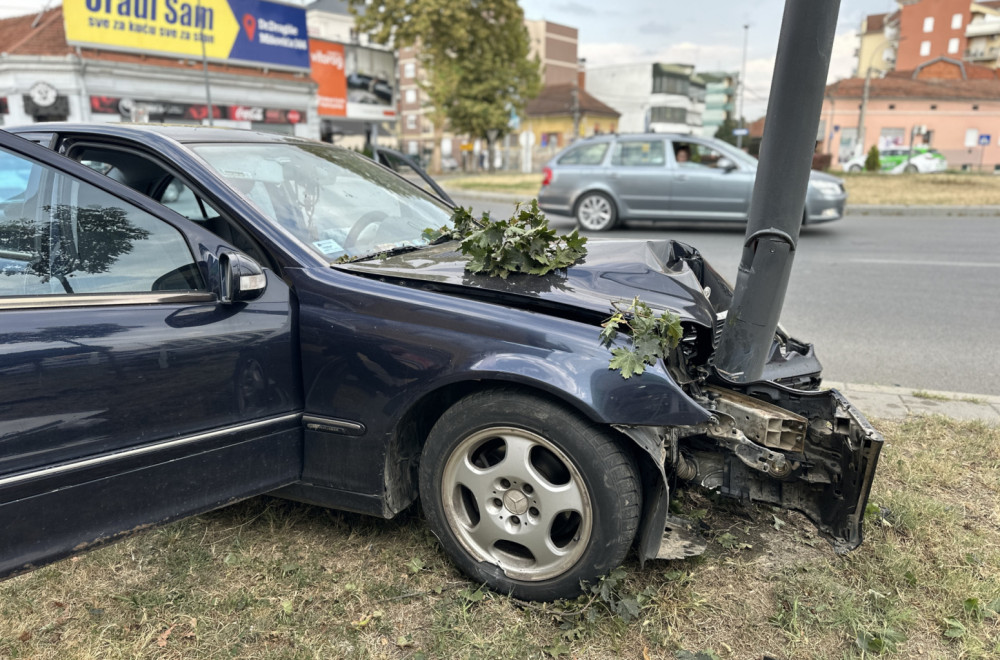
[613,175]
[682,177]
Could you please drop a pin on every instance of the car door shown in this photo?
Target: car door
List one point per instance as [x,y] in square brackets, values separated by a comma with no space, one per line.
[409,170]
[131,392]
[709,185]
[639,177]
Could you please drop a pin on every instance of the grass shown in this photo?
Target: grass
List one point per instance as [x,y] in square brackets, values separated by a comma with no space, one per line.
[947,189]
[273,579]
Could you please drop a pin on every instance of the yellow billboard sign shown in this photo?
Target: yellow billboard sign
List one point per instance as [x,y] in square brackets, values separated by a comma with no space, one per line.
[251,31]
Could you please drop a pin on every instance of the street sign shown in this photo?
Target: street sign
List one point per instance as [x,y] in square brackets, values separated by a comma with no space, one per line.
[741,131]
[984,140]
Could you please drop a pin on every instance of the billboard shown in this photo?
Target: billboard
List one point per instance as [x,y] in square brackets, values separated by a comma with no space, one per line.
[252,32]
[354,81]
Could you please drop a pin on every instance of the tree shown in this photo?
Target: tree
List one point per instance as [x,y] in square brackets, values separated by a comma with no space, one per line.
[872,162]
[475,53]
[725,131]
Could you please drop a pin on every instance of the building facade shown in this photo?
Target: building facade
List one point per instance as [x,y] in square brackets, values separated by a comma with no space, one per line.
[555,46]
[357,79]
[44,78]
[663,98]
[720,100]
[947,104]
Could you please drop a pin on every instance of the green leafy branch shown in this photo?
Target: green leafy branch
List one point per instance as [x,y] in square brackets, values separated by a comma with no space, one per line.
[651,337]
[524,243]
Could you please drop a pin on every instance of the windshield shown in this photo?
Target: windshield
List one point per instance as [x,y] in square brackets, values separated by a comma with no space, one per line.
[333,200]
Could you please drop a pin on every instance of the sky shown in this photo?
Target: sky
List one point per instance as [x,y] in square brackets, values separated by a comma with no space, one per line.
[706,33]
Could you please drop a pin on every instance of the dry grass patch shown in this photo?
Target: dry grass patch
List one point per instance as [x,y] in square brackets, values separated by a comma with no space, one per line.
[516,183]
[274,579]
[950,189]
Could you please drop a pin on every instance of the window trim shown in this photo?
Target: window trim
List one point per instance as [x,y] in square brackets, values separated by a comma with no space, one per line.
[105,300]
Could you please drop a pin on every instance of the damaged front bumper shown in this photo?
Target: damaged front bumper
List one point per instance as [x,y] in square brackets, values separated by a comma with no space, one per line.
[808,451]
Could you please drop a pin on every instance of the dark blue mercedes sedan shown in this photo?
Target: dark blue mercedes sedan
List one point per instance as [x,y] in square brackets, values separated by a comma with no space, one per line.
[192,316]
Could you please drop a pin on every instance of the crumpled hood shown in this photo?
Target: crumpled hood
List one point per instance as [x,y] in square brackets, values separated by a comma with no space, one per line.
[664,274]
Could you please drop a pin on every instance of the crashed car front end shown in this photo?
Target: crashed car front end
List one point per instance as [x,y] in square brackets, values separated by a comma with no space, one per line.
[779,440]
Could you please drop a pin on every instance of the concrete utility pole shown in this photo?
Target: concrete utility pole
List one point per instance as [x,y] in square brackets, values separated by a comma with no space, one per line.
[204,66]
[743,84]
[860,150]
[800,69]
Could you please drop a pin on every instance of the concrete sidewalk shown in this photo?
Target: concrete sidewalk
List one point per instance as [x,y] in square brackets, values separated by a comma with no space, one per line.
[879,402]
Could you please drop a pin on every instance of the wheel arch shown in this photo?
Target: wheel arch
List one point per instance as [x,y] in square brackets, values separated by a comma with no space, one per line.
[410,435]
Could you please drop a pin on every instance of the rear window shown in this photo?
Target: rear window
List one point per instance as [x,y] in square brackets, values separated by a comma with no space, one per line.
[585,154]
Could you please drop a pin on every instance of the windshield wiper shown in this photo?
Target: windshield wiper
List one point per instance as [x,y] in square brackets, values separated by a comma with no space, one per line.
[381,254]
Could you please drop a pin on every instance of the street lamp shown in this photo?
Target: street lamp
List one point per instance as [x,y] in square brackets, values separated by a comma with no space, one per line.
[743,85]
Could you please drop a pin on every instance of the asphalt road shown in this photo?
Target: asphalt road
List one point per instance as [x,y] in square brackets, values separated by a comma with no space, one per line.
[887,300]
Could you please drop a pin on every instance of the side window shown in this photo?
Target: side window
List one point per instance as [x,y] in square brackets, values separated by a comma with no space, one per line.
[148,177]
[67,237]
[696,154]
[585,154]
[639,153]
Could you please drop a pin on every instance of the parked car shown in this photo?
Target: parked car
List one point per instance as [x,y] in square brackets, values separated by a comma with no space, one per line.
[605,179]
[226,313]
[921,160]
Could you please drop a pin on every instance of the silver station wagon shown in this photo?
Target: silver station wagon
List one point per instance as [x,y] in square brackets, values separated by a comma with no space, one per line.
[605,179]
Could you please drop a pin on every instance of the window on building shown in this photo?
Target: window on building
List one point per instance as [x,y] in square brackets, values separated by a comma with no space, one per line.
[956,22]
[925,48]
[412,148]
[929,24]
[411,96]
[409,70]
[411,122]
[662,115]
[665,83]
[971,137]
[953,45]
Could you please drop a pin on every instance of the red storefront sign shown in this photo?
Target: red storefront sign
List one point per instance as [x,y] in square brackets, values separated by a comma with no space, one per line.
[327,60]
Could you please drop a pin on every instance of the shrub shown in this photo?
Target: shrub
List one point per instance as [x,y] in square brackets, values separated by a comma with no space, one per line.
[872,162]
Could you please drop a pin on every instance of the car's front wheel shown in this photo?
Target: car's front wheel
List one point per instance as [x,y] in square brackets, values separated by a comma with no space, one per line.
[528,497]
[596,212]
[910,169]
[855,168]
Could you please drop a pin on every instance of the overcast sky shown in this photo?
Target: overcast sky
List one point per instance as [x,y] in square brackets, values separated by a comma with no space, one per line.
[706,33]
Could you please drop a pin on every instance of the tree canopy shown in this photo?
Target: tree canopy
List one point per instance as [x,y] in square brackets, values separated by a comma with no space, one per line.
[475,53]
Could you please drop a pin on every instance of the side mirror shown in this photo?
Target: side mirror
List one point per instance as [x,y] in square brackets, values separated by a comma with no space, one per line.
[243,279]
[726,164]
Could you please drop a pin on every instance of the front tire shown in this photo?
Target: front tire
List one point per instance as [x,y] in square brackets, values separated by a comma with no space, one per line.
[855,168]
[596,212]
[910,169]
[527,497]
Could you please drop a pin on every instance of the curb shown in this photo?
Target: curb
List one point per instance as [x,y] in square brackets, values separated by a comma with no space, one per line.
[883,402]
[852,209]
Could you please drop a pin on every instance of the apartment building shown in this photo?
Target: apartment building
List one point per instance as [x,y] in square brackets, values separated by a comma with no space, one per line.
[662,98]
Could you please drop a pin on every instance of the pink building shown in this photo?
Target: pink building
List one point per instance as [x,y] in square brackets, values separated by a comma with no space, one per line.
[950,105]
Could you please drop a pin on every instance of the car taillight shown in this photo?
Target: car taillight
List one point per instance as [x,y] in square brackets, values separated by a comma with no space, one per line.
[546,176]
